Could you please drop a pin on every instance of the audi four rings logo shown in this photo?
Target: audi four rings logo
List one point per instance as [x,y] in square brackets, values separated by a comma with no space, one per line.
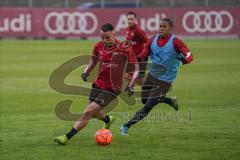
[70,23]
[212,21]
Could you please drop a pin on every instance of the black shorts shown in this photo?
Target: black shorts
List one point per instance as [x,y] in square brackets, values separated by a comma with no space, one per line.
[153,87]
[102,97]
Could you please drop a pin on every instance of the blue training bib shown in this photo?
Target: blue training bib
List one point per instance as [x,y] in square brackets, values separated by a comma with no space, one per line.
[164,63]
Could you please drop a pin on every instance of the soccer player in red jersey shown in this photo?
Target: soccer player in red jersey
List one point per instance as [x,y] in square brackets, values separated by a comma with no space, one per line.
[165,51]
[138,38]
[112,57]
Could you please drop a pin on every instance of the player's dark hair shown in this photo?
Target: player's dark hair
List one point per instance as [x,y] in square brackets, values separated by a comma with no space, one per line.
[170,21]
[107,27]
[132,13]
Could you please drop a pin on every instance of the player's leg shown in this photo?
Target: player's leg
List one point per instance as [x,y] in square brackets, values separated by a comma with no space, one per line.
[146,88]
[107,96]
[107,119]
[96,95]
[103,98]
[163,87]
[91,110]
[172,101]
[139,115]
[101,115]
[94,109]
[157,95]
[64,139]
[148,102]
[153,99]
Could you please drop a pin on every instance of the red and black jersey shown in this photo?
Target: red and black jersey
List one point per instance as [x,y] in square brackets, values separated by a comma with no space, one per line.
[138,38]
[112,63]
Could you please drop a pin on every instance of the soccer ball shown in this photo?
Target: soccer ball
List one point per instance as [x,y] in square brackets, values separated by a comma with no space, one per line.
[103,137]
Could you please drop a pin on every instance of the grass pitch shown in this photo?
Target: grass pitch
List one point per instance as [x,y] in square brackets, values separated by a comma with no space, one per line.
[206,127]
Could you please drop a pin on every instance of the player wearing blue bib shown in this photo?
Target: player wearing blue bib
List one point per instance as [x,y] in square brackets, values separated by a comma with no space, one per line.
[165,51]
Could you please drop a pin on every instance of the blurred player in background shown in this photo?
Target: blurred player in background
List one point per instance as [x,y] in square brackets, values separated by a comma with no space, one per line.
[137,38]
[165,51]
[112,57]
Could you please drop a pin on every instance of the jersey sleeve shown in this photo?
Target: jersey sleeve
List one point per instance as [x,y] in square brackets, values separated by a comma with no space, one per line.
[93,60]
[147,49]
[182,48]
[95,52]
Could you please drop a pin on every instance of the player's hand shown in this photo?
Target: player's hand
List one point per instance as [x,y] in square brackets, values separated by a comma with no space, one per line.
[84,76]
[130,91]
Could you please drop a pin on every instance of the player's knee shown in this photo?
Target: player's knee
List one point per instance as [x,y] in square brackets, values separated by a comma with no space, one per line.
[153,100]
[161,99]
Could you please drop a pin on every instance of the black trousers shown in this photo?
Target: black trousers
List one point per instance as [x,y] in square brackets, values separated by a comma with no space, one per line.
[153,92]
[154,88]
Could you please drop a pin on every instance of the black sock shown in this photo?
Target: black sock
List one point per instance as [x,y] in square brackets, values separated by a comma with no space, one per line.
[167,101]
[105,119]
[71,133]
